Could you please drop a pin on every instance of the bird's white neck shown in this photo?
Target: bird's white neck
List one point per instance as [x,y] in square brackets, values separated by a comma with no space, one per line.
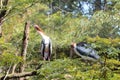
[44,37]
[42,34]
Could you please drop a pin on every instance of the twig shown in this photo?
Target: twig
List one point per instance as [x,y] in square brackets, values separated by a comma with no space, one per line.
[7,72]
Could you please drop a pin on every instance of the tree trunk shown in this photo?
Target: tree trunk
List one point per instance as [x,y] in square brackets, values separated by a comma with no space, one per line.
[105,5]
[97,5]
[24,47]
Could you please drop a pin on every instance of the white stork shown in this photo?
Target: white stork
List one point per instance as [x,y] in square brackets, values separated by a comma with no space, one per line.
[46,44]
[83,50]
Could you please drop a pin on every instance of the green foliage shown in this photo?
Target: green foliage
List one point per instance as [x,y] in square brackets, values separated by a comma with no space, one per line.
[6,59]
[62,29]
[113,65]
[8,53]
[106,46]
[61,69]
[75,69]
[104,24]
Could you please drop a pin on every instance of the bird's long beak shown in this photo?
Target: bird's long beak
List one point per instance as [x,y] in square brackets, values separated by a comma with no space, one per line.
[36,27]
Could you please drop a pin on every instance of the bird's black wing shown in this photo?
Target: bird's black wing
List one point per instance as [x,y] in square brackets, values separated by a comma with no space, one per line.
[42,48]
[50,47]
[86,51]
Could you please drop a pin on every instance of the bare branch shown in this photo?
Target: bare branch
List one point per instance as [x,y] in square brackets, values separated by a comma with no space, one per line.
[19,75]
[23,74]
[7,72]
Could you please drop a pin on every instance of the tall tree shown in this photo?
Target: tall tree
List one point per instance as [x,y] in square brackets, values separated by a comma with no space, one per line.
[24,46]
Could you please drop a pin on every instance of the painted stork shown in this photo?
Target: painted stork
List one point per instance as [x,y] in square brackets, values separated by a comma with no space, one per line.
[46,44]
[84,50]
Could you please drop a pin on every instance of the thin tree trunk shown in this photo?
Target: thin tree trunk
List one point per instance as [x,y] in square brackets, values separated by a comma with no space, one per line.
[71,53]
[24,47]
[97,5]
[14,65]
[105,5]
[13,68]
[7,72]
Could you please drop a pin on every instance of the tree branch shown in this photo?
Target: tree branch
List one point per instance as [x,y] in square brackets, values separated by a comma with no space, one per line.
[19,75]
[7,72]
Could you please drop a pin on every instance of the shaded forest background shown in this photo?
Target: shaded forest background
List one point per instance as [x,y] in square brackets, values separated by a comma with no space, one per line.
[64,21]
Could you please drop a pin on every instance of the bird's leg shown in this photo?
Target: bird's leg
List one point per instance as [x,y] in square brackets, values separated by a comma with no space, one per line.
[44,59]
[48,59]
